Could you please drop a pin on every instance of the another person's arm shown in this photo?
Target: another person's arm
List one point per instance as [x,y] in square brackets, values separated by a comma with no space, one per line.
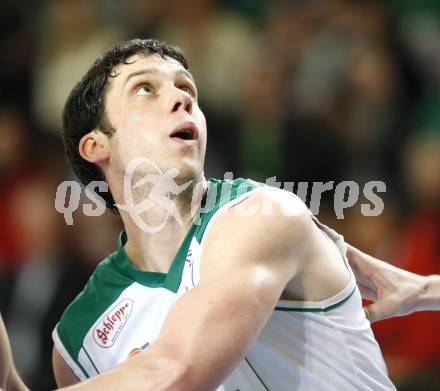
[9,379]
[394,292]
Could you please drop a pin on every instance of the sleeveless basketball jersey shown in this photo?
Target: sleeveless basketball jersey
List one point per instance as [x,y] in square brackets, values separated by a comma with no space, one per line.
[325,345]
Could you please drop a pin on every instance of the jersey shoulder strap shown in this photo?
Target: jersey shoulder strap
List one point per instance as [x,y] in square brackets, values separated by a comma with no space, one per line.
[220,193]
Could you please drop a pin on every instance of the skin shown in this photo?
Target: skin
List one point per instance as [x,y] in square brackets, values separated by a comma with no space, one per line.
[145,101]
[264,261]
[394,292]
[9,379]
[282,256]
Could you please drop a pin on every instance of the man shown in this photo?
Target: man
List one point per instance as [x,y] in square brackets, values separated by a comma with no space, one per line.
[246,290]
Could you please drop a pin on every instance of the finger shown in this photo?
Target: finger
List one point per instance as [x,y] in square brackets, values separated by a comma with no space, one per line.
[369,313]
[367,293]
[376,311]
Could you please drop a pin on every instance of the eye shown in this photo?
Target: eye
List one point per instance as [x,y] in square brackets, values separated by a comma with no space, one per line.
[143,89]
[189,90]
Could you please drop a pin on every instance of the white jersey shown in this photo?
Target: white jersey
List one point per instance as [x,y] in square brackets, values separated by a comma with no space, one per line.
[325,345]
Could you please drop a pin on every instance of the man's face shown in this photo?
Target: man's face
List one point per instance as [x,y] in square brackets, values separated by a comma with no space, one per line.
[152,104]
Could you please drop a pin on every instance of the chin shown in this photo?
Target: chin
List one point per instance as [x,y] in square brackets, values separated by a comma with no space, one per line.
[188,174]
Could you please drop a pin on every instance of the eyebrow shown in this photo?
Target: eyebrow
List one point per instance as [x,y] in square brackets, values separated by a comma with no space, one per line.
[153,71]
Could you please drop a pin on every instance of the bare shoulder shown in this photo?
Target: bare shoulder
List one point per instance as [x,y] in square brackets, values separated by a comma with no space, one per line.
[268,225]
[274,212]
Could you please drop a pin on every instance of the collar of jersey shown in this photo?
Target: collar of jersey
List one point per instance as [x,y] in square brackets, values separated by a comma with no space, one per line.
[170,280]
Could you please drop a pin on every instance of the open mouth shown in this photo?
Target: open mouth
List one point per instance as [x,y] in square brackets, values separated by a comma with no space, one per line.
[185,132]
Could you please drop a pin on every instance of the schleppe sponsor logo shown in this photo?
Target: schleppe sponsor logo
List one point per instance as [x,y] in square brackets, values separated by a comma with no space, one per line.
[111,323]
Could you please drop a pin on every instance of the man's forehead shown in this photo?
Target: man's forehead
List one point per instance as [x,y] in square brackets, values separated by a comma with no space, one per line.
[153,62]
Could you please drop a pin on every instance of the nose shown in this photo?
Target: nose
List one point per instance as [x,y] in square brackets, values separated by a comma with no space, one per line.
[181,101]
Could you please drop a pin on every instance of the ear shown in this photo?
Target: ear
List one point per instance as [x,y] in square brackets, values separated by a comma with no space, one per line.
[94,147]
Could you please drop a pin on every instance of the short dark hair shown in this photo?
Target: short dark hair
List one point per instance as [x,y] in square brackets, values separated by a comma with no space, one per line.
[85,107]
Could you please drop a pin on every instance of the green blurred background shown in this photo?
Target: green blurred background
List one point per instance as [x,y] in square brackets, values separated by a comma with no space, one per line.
[301,90]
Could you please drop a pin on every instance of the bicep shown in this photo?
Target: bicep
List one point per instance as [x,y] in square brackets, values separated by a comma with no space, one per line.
[246,265]
[64,376]
[211,327]
[243,275]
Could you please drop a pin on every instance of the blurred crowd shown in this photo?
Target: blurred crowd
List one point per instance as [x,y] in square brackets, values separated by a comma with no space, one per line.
[311,90]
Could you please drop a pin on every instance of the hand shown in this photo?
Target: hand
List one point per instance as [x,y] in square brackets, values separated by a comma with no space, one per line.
[394,292]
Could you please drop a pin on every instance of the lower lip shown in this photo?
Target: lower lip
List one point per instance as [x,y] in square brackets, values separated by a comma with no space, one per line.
[183,141]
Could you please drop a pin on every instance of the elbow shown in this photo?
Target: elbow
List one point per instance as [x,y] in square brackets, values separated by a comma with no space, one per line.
[183,377]
[164,373]
[176,375]
[14,383]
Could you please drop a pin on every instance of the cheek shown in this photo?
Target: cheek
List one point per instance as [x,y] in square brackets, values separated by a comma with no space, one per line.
[134,116]
[125,146]
[136,123]
[201,123]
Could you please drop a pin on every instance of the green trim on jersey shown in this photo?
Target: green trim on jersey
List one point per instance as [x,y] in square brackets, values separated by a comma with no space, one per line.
[116,273]
[90,358]
[325,309]
[218,194]
[256,374]
[170,280]
[222,191]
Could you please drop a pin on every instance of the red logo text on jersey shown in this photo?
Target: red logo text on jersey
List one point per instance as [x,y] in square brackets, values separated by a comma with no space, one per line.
[111,324]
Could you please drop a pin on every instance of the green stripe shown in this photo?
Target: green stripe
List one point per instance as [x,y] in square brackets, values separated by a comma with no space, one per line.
[82,369]
[219,193]
[256,374]
[67,346]
[192,273]
[316,309]
[174,276]
[90,359]
[116,273]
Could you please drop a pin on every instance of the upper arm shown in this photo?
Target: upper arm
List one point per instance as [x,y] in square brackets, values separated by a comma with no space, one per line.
[246,263]
[64,376]
[9,378]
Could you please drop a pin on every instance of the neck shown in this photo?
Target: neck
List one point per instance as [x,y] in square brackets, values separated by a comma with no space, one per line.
[155,235]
